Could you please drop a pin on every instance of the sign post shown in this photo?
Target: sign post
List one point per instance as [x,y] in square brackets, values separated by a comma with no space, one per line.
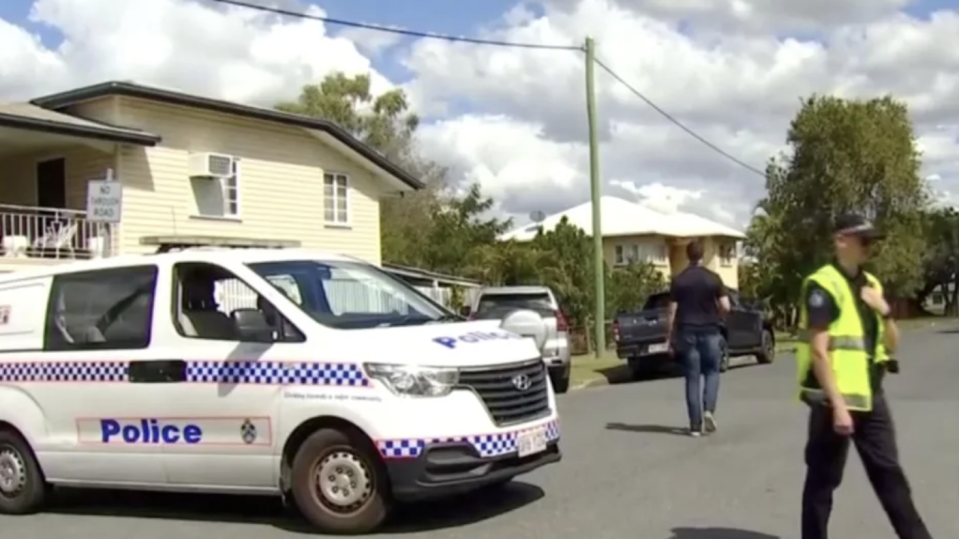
[104,206]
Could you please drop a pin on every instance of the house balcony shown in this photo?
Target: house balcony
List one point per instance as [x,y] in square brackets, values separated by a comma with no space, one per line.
[32,236]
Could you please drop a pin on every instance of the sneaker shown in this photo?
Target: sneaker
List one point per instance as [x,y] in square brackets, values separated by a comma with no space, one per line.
[695,433]
[710,422]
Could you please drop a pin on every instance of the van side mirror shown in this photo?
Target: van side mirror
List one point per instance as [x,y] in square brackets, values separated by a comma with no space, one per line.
[251,326]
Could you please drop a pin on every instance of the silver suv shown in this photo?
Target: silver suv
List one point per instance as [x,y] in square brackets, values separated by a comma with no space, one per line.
[494,303]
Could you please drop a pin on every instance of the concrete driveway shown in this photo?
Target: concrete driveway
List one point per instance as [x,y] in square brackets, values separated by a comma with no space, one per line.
[626,473]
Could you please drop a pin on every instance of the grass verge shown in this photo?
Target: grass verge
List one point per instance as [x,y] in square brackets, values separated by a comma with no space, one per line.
[587,370]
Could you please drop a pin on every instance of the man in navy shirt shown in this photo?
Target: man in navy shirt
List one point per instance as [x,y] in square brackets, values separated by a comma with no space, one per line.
[698,302]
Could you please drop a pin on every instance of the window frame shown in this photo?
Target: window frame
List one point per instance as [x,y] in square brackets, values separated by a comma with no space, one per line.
[299,337]
[226,189]
[724,249]
[334,176]
[57,282]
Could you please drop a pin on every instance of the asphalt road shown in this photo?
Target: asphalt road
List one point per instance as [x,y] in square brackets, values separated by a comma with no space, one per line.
[625,474]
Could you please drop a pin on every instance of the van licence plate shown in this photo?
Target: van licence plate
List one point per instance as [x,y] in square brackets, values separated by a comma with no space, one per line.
[657,348]
[531,442]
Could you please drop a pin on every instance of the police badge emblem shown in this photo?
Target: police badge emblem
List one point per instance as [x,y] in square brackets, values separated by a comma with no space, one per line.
[248,432]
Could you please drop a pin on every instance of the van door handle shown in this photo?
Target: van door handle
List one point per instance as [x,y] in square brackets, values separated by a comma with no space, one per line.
[157,371]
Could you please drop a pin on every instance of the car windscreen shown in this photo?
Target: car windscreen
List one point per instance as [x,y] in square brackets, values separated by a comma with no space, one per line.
[504,303]
[350,295]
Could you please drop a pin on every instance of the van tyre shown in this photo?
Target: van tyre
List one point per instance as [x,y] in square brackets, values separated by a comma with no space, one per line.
[767,350]
[339,484]
[22,485]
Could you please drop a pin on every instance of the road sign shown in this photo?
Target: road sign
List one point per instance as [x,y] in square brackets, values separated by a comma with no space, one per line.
[104,200]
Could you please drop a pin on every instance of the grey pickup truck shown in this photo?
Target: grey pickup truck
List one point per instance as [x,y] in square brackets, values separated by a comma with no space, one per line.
[641,337]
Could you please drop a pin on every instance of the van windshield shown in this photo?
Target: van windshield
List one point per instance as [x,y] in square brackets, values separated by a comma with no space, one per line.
[350,295]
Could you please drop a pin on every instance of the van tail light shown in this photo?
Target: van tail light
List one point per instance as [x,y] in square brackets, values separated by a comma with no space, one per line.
[615,330]
[561,323]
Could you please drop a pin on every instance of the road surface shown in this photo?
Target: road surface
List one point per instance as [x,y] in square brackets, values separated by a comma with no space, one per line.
[625,473]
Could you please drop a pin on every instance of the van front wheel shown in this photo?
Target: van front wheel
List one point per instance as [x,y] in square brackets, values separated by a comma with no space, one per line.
[338,485]
[22,487]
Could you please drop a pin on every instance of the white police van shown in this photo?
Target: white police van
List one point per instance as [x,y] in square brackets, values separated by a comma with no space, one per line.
[285,372]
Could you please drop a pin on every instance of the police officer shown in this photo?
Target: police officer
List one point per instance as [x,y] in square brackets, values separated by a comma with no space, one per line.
[847,330]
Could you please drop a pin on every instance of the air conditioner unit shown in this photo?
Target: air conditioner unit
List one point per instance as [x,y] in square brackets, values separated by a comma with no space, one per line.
[210,165]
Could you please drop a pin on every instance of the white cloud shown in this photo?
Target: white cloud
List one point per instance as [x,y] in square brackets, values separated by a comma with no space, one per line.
[514,119]
[232,53]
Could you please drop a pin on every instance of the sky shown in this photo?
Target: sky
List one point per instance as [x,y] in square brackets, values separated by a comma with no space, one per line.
[514,119]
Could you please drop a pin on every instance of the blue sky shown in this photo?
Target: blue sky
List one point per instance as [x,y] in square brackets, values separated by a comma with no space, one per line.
[442,16]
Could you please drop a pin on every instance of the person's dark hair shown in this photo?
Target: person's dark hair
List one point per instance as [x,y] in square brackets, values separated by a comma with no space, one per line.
[694,251]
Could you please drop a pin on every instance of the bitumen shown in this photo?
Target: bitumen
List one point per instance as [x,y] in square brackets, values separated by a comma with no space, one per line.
[627,472]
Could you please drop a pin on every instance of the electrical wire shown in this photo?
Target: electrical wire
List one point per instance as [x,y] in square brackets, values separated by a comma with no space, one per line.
[399,31]
[678,123]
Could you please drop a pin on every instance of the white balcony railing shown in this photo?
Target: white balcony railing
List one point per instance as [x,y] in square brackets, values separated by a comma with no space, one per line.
[33,232]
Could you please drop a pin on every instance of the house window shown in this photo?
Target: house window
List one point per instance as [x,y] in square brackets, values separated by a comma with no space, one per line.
[218,197]
[642,252]
[336,199]
[727,253]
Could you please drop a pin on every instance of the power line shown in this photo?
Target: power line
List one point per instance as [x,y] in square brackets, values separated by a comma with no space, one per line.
[678,123]
[400,31]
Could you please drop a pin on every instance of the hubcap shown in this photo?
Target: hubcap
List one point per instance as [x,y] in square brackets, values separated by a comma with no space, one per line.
[343,482]
[13,472]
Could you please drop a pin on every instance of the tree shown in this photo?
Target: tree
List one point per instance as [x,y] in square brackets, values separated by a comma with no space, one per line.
[941,262]
[411,225]
[845,155]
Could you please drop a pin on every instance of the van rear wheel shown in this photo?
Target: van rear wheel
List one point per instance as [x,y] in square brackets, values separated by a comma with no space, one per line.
[22,486]
[338,484]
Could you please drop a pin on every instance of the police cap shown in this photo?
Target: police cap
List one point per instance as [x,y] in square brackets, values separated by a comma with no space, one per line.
[852,224]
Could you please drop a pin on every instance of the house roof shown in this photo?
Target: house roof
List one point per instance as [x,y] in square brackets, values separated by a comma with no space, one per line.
[624,218]
[36,118]
[129,89]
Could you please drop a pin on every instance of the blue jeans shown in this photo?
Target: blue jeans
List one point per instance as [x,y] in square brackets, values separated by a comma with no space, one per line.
[700,353]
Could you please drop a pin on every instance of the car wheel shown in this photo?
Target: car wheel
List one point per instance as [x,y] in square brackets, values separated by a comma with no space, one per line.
[22,485]
[767,350]
[338,484]
[723,355]
[561,382]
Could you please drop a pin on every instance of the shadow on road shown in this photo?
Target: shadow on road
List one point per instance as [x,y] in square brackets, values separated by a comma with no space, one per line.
[948,331]
[261,510]
[620,374]
[648,429]
[718,533]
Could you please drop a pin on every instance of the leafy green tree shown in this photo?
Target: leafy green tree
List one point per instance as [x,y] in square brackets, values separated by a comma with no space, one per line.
[566,267]
[627,288]
[432,228]
[844,155]
[941,263]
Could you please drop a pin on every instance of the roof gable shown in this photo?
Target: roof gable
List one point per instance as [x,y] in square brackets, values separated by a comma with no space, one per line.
[624,218]
[129,89]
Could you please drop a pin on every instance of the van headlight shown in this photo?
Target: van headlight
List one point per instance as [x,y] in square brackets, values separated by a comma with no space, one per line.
[414,380]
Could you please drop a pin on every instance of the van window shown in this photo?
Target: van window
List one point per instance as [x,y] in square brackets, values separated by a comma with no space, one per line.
[106,309]
[210,303]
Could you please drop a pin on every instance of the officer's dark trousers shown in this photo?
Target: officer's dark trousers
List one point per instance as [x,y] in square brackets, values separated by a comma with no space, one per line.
[875,440]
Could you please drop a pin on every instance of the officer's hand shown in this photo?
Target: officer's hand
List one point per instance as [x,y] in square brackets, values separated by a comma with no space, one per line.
[873,298]
[842,421]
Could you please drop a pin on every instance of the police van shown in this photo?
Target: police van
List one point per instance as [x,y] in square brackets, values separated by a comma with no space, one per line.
[314,377]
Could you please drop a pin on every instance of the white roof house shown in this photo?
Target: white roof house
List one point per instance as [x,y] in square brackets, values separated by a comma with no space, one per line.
[624,218]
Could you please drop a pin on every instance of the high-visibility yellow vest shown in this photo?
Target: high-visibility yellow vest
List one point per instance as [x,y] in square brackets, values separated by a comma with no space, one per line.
[848,354]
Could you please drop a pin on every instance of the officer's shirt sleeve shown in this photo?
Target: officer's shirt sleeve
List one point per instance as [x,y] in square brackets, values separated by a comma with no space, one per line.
[820,307]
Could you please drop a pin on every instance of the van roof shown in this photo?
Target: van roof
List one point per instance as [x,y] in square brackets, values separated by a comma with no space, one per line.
[199,254]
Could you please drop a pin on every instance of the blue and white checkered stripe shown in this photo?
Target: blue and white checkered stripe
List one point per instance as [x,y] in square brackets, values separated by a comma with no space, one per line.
[487,445]
[225,372]
[64,371]
[277,373]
